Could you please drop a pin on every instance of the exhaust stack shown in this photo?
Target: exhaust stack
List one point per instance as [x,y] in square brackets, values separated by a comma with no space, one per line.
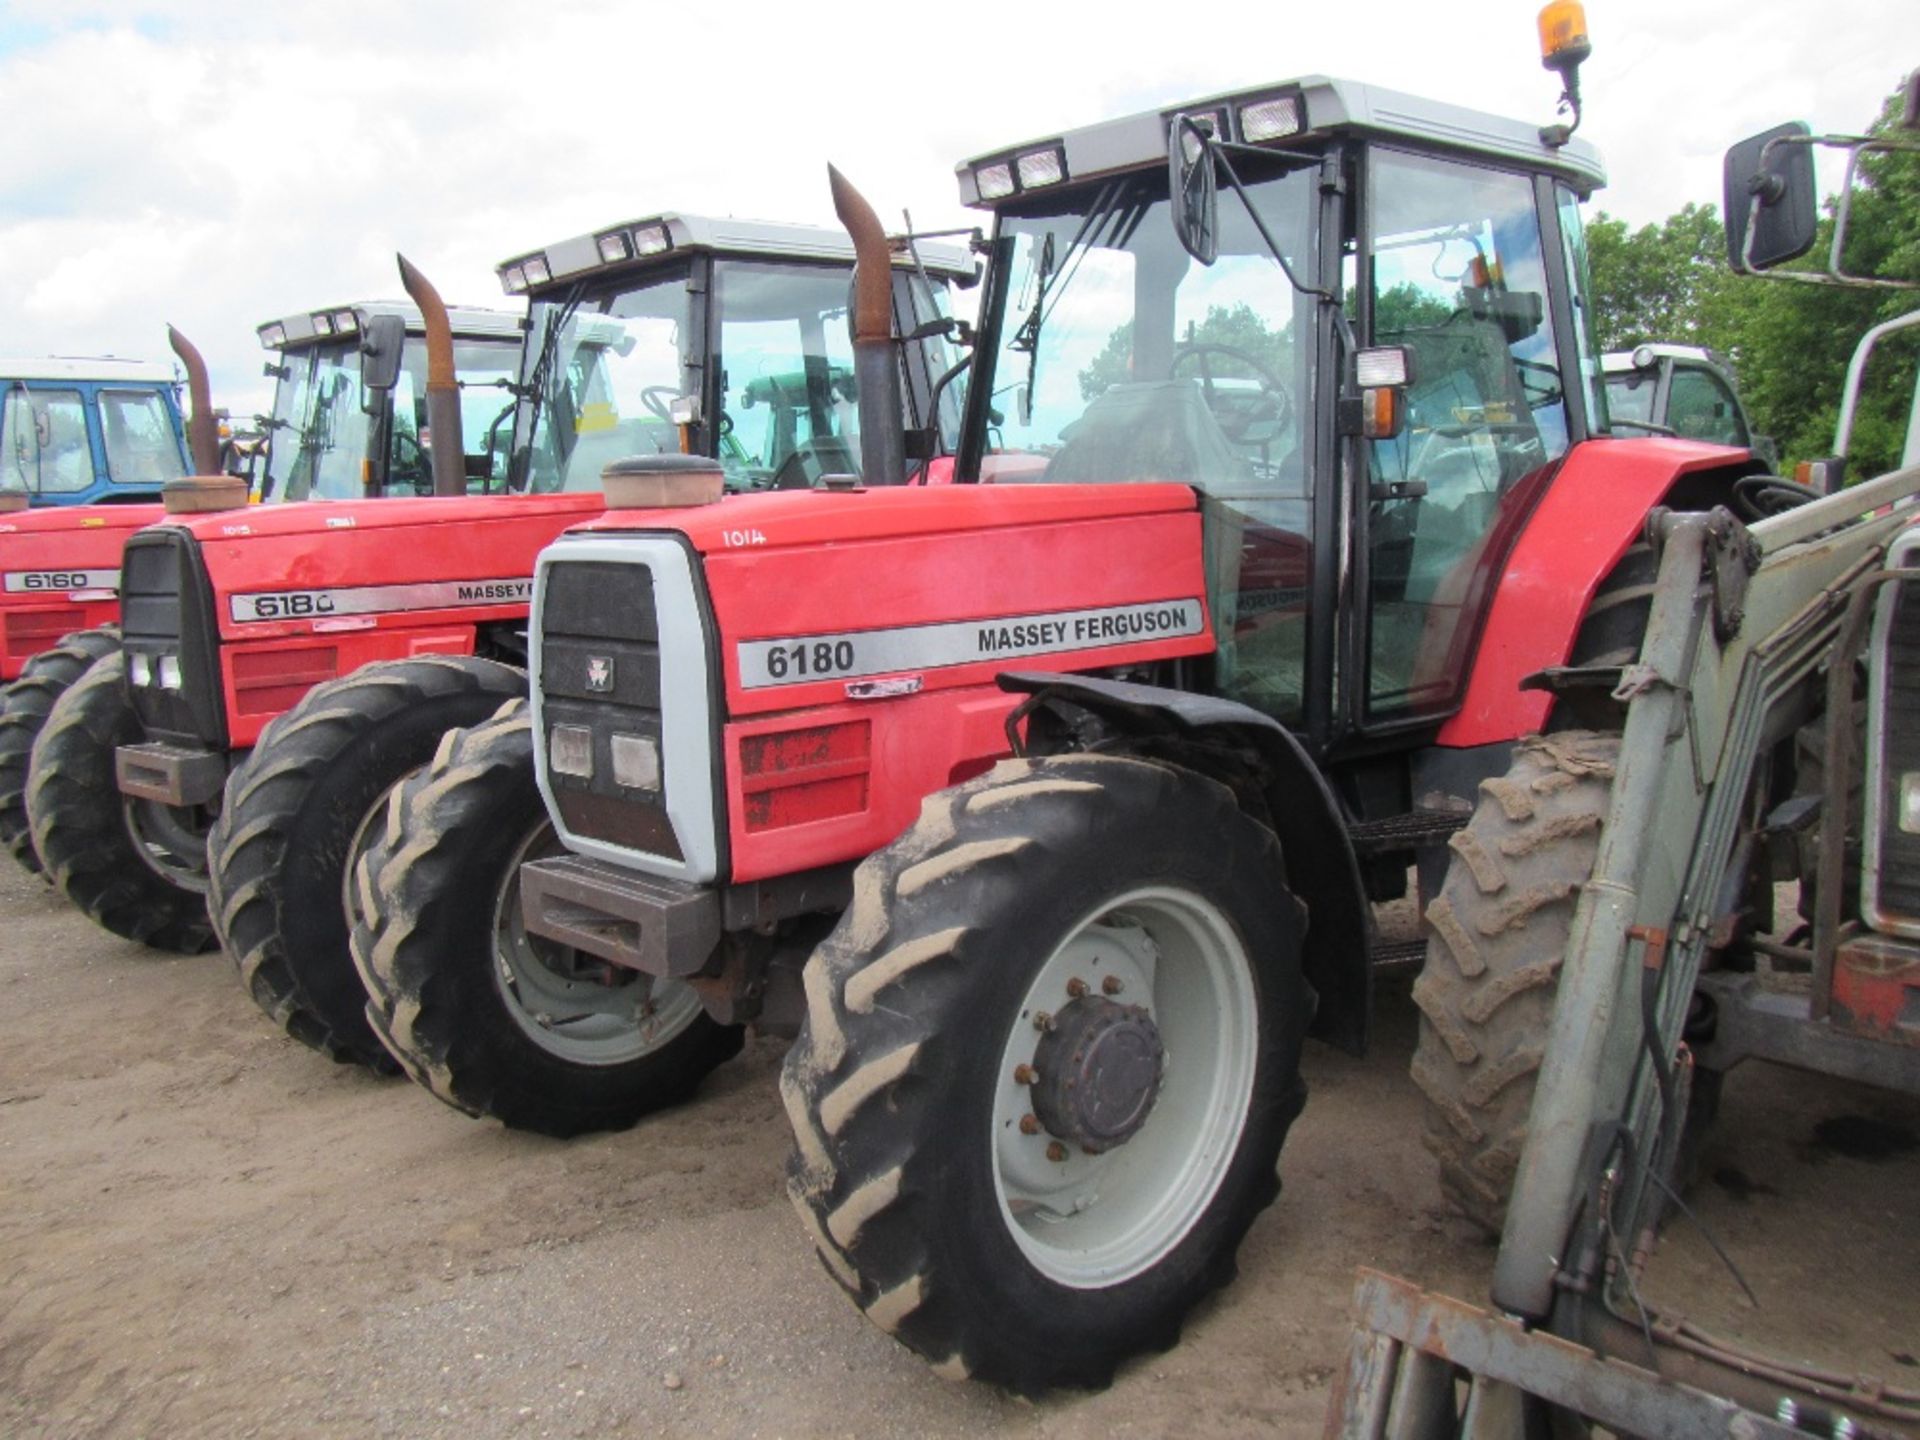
[203,431]
[883,446]
[448,450]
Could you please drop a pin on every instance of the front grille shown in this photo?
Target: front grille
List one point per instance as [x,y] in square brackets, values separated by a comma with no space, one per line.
[166,608]
[600,669]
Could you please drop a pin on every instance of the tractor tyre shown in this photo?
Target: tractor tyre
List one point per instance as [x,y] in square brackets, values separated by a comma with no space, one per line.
[24,706]
[1051,1054]
[1497,933]
[490,1019]
[303,806]
[136,867]
[1615,624]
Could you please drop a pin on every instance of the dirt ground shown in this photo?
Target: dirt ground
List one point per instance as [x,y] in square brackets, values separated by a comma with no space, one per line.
[207,1230]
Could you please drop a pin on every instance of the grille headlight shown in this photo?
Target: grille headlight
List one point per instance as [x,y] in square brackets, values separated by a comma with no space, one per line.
[994,182]
[636,762]
[1041,167]
[570,751]
[167,671]
[1270,119]
[139,669]
[651,240]
[1910,802]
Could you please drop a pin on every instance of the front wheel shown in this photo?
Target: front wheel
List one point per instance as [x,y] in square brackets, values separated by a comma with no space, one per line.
[24,707]
[137,867]
[491,1019]
[299,811]
[1051,1055]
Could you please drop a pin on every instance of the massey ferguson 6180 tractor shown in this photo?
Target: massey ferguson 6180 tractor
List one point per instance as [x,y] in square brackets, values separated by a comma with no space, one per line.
[1068,782]
[677,338]
[92,431]
[1607,961]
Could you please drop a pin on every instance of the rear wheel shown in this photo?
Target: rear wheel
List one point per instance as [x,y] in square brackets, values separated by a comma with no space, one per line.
[492,1020]
[137,867]
[24,706]
[1051,1055]
[302,807]
[1497,933]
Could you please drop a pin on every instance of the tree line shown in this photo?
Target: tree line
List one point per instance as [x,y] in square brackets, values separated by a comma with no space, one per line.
[1789,343]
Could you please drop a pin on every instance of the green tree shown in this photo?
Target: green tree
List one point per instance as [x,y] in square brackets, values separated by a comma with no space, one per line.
[1663,282]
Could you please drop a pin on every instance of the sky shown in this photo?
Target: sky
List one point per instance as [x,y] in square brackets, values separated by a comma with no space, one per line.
[220,163]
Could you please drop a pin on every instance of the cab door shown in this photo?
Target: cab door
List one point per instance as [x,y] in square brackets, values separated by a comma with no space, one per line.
[1461,269]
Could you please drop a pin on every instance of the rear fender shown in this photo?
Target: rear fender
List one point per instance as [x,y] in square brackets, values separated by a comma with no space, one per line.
[1593,512]
[1275,781]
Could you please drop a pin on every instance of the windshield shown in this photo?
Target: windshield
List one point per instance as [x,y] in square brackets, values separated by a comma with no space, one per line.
[142,445]
[43,442]
[1122,358]
[323,435]
[601,373]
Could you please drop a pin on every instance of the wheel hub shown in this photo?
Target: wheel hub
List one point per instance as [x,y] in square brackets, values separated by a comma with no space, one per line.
[1098,1073]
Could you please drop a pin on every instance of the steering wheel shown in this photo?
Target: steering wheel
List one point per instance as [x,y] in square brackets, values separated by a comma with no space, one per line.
[656,399]
[1238,414]
[1763,495]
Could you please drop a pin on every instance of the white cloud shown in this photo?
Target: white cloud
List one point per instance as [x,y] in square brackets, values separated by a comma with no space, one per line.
[219,163]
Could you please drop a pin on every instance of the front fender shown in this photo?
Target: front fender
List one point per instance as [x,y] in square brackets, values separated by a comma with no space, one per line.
[1321,867]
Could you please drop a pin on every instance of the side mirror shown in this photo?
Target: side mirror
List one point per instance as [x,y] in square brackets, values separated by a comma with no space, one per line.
[1769,199]
[1193,186]
[383,341]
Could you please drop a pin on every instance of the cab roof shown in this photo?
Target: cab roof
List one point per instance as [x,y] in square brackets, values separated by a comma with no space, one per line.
[1330,107]
[634,243]
[469,322]
[103,368]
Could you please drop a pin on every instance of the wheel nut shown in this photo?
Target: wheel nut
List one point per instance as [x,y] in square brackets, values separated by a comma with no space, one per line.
[1025,1075]
[1042,1020]
[1076,987]
[1029,1124]
[1056,1152]
[1110,985]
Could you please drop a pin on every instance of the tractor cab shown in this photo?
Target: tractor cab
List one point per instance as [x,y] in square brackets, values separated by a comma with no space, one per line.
[86,431]
[349,415]
[1355,321]
[723,338]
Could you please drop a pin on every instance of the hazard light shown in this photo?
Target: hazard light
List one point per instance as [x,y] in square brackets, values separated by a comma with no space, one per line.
[614,248]
[995,181]
[513,279]
[1563,35]
[272,337]
[1041,167]
[534,267]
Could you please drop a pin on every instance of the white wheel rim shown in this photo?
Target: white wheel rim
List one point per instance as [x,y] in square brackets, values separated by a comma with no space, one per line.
[1090,1221]
[578,1020]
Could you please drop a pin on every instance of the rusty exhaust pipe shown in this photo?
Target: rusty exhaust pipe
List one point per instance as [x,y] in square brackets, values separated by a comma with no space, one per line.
[448,450]
[883,445]
[203,431]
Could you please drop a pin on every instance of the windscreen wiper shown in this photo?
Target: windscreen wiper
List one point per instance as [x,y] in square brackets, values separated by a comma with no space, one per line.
[1053,282]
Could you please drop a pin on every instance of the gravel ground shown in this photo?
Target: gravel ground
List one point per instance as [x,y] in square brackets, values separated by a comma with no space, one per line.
[207,1230]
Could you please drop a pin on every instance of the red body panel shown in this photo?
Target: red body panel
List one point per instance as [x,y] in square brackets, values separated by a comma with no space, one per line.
[816,776]
[298,550]
[1593,511]
[41,551]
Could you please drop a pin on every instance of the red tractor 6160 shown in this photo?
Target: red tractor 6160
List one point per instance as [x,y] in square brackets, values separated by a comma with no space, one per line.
[1046,806]
[60,605]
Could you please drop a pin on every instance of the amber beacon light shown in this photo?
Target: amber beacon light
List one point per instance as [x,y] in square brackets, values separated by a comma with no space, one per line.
[1563,46]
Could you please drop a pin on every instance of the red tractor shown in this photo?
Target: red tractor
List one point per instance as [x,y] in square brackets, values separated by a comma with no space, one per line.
[1046,807]
[60,606]
[223,785]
